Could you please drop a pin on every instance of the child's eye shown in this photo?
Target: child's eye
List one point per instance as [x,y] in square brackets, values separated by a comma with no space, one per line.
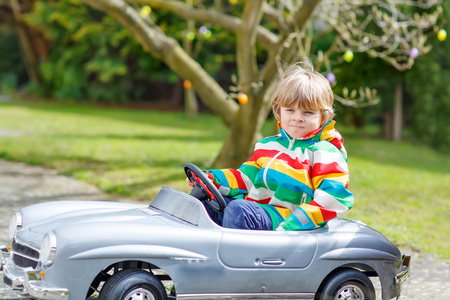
[311,112]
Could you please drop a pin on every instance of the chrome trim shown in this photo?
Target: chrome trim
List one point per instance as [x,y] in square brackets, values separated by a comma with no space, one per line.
[50,237]
[4,248]
[19,249]
[4,255]
[404,271]
[248,296]
[18,223]
[29,284]
[18,243]
[36,289]
[17,280]
[22,244]
[273,262]
[15,253]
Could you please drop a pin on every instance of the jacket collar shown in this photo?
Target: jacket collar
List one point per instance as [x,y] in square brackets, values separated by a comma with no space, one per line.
[326,132]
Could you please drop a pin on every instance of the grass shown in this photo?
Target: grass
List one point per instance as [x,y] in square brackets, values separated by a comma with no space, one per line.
[400,189]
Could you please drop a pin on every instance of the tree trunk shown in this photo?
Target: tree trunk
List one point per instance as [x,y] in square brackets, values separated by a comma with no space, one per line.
[241,138]
[397,123]
[387,128]
[31,45]
[190,103]
[238,145]
[190,100]
[245,131]
[244,121]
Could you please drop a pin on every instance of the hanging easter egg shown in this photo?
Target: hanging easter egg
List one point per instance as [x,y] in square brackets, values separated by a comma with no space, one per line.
[202,30]
[413,53]
[190,36]
[442,35]
[348,56]
[207,34]
[243,99]
[145,11]
[331,77]
[233,2]
[187,84]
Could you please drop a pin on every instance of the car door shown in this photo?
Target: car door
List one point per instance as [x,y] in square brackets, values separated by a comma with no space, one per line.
[267,261]
[266,249]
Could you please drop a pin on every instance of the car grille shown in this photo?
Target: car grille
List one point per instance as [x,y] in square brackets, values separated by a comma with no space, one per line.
[24,256]
[7,281]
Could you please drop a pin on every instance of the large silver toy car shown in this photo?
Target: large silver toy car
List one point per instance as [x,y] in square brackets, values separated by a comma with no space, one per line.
[171,249]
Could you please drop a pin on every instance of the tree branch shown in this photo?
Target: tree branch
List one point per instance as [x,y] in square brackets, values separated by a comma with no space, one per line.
[209,16]
[380,29]
[170,52]
[245,47]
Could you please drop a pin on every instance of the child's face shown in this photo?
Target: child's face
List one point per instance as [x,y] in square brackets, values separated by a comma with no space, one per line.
[299,123]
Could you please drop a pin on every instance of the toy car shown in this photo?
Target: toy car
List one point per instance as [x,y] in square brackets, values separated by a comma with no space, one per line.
[171,249]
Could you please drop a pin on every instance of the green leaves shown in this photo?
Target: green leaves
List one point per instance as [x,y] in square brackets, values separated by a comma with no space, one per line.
[91,55]
[106,68]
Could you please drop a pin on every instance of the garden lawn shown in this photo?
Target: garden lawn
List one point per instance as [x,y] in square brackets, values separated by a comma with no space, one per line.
[400,189]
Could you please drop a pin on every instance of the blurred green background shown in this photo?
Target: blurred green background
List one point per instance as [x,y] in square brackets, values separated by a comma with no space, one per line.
[96,106]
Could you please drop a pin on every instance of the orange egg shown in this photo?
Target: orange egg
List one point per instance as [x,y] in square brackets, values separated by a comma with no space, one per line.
[187,84]
[243,99]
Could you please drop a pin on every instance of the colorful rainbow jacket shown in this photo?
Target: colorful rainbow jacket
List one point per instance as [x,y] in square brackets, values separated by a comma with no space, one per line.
[302,183]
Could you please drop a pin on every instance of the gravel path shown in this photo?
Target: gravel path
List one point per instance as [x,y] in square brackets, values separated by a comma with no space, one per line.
[22,185]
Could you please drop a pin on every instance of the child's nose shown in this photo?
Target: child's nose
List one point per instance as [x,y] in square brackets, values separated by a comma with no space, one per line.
[298,116]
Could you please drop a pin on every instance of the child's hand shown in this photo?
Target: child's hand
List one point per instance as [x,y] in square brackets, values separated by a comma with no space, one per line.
[190,183]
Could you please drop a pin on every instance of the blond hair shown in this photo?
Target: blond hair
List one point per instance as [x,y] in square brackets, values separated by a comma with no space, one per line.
[303,87]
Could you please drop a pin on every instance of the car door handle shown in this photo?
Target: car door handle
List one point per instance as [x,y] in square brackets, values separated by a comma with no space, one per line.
[272,262]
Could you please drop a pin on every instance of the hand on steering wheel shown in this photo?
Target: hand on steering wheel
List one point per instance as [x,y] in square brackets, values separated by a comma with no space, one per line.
[204,189]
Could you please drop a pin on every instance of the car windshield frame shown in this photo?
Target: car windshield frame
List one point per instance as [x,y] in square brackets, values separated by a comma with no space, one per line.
[179,205]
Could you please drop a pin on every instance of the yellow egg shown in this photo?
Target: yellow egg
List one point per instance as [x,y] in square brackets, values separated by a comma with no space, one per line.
[442,35]
[348,56]
[145,11]
[190,36]
[233,2]
[207,34]
[243,99]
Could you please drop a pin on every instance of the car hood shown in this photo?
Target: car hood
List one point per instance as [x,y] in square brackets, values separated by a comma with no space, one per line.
[35,232]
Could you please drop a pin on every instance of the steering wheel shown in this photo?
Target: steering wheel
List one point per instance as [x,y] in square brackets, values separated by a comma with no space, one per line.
[204,189]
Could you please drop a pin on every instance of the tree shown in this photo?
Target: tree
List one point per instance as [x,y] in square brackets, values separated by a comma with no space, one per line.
[33,46]
[286,30]
[92,57]
[428,91]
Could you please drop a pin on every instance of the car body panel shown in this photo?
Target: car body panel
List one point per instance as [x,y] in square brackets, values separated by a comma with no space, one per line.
[175,234]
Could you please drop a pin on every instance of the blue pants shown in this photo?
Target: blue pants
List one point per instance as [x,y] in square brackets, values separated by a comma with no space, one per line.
[242,214]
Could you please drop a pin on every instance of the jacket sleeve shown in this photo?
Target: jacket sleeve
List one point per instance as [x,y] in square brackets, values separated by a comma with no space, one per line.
[235,183]
[329,180]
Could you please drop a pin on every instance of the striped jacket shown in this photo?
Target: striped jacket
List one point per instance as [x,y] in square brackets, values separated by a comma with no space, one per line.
[302,183]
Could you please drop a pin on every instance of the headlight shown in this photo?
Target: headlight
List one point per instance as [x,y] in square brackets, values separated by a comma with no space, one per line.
[15,224]
[48,249]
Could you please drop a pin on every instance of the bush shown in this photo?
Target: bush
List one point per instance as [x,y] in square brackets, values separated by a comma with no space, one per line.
[92,57]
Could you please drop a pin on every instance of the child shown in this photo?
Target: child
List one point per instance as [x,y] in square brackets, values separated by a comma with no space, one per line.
[298,179]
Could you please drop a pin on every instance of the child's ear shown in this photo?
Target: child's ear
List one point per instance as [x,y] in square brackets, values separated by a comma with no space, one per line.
[323,118]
